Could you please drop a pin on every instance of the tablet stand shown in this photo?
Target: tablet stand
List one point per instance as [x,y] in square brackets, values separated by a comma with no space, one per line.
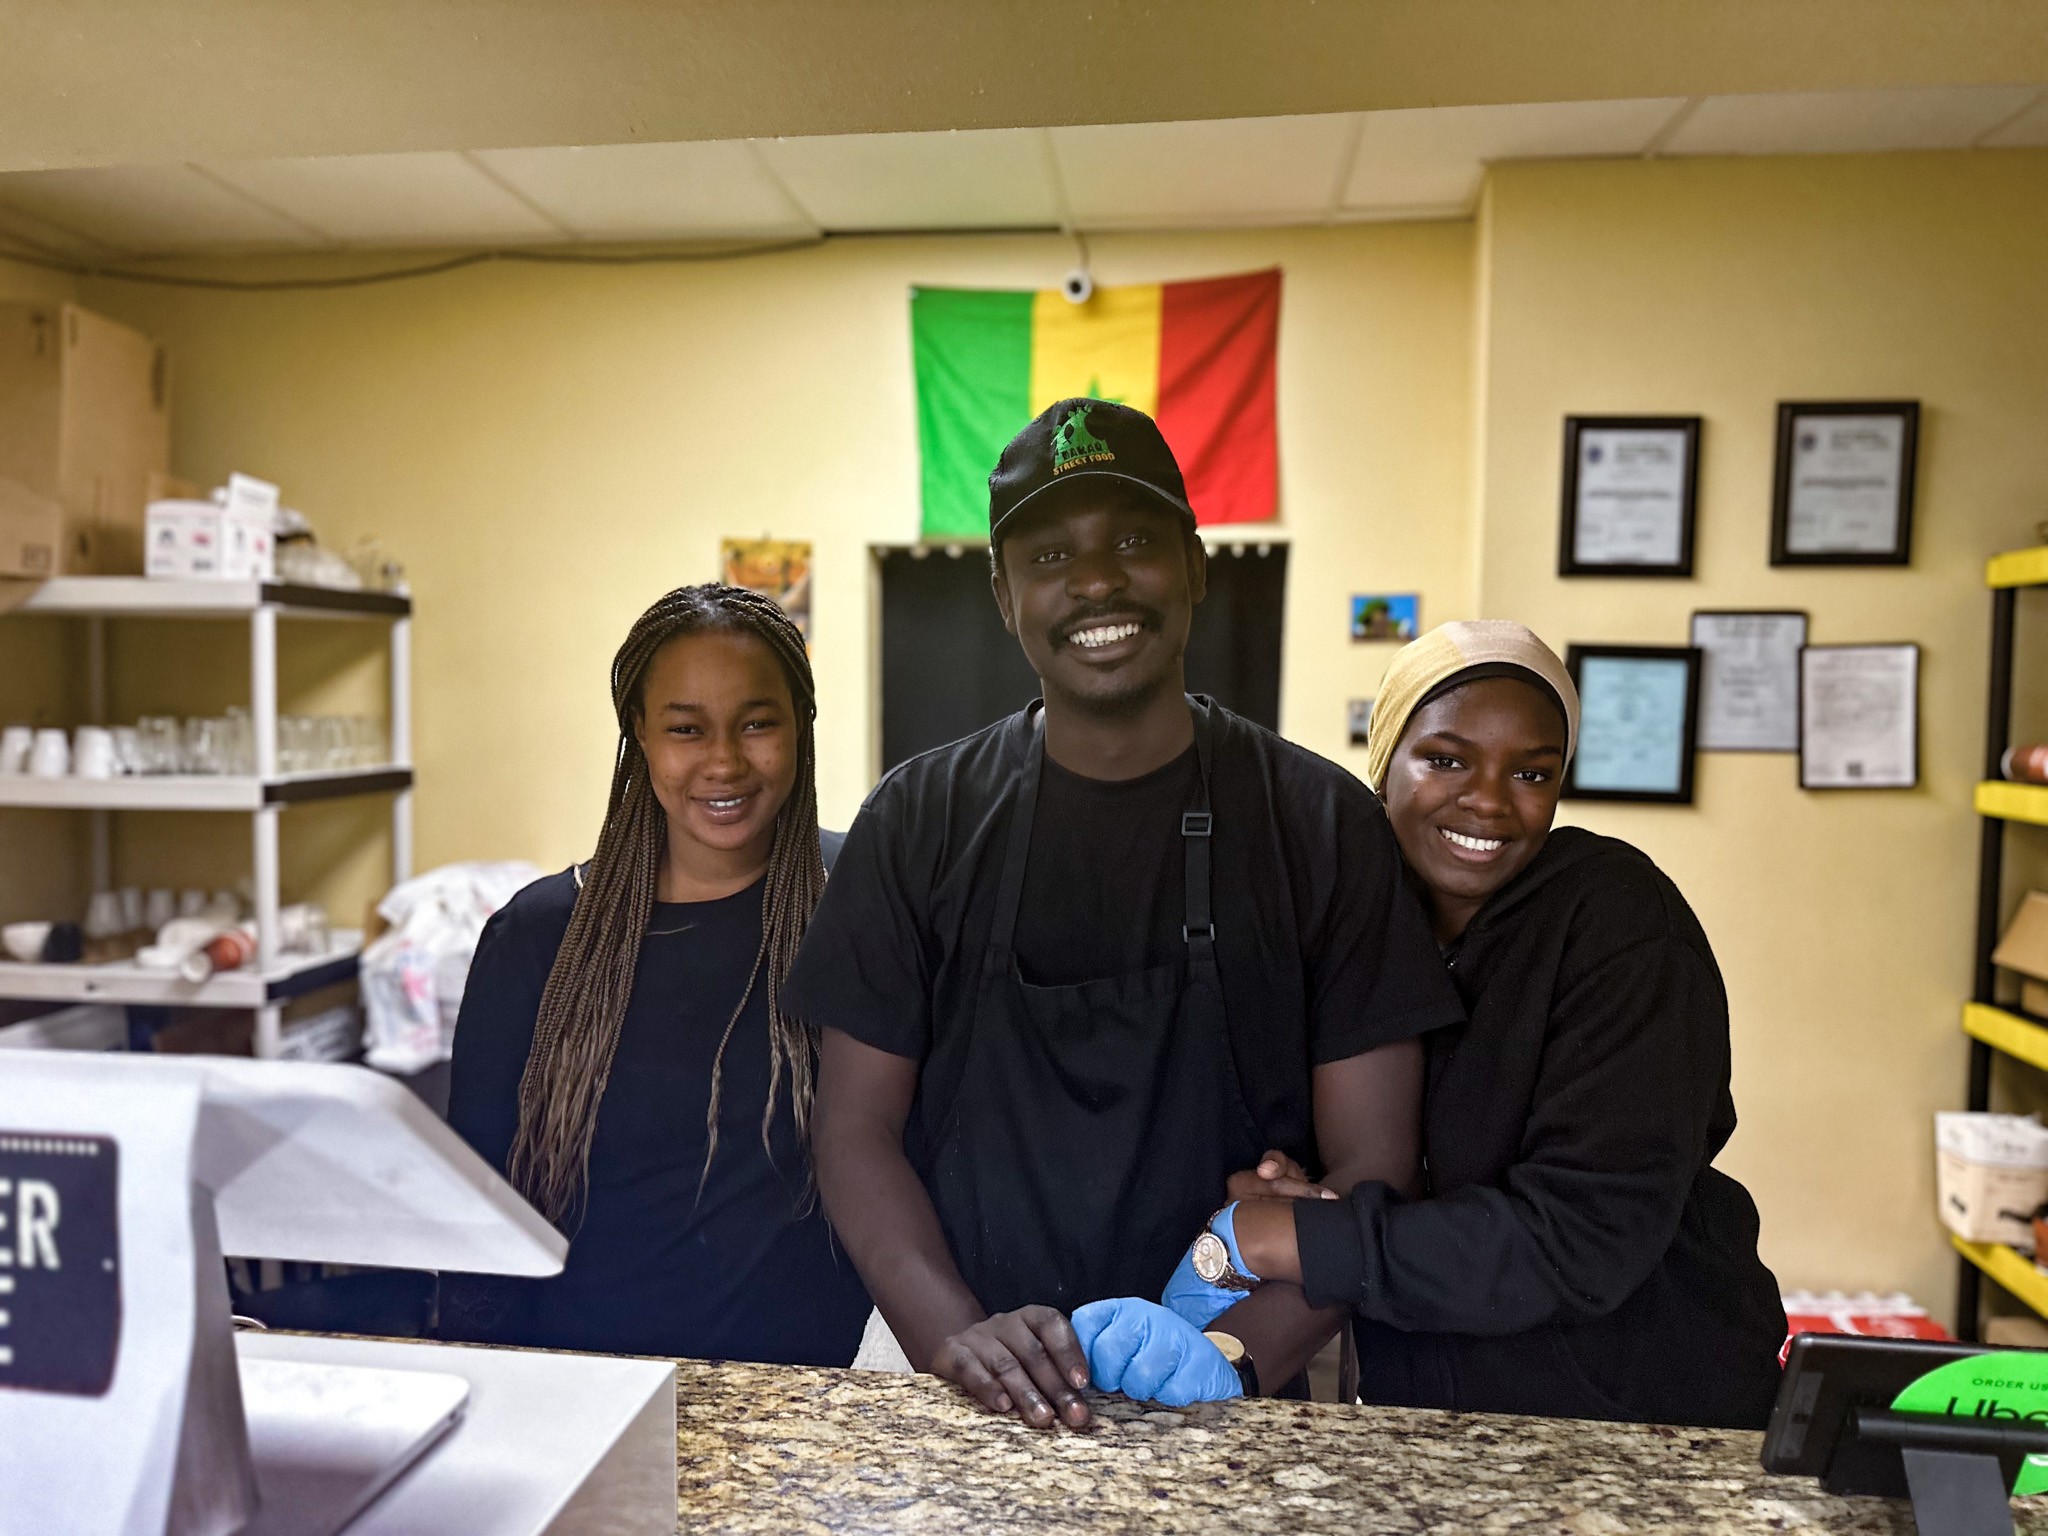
[125,1405]
[1958,1470]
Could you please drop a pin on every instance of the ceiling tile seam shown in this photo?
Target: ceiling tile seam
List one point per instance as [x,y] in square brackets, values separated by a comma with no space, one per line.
[1396,213]
[1672,125]
[797,205]
[93,243]
[1048,154]
[320,235]
[1347,162]
[2010,118]
[561,227]
[1216,223]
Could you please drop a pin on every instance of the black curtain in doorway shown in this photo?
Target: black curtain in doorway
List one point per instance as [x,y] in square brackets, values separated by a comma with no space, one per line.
[949,667]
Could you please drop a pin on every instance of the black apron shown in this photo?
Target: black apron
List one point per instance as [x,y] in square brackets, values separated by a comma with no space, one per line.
[1092,1127]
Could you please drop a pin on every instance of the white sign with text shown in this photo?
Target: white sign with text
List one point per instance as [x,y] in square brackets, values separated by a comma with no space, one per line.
[120,1407]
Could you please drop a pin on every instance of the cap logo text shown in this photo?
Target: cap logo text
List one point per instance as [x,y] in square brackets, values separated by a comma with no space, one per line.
[1074,445]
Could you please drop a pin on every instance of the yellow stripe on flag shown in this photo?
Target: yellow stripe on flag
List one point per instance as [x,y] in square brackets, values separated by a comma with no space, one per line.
[1108,347]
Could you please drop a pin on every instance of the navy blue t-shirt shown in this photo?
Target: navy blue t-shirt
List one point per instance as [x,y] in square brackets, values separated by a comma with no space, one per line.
[746,1270]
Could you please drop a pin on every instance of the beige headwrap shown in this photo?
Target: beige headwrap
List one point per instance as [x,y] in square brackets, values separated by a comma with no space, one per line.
[1423,665]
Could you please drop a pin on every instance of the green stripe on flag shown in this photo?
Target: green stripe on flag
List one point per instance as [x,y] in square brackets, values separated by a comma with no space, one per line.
[972,352]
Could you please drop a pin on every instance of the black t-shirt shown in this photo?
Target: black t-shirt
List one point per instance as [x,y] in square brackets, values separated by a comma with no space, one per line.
[742,1271]
[1320,943]
[1105,885]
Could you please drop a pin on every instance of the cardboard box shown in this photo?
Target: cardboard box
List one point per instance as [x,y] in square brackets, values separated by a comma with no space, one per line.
[1991,1174]
[30,527]
[1897,1316]
[85,422]
[2025,949]
[2016,1332]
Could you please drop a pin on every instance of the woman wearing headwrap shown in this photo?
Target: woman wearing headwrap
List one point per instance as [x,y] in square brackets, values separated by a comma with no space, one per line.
[1575,1252]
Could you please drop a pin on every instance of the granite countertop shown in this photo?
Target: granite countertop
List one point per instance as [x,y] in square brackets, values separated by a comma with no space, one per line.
[779,1449]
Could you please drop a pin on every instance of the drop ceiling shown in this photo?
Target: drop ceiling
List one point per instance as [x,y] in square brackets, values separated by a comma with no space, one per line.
[1413,163]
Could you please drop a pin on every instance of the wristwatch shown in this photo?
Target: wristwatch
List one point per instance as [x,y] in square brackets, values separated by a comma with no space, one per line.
[1234,1351]
[1211,1256]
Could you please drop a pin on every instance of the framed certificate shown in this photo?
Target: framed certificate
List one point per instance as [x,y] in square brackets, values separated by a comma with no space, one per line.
[1859,717]
[1638,714]
[1629,489]
[1844,492]
[1749,679]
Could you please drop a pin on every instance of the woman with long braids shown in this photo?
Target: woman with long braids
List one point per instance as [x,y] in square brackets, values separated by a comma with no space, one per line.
[623,1054]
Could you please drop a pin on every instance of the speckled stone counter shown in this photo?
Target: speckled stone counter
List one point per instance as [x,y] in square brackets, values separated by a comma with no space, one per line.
[773,1449]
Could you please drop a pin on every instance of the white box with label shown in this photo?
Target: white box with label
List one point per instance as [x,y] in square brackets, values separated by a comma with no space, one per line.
[202,539]
[1991,1174]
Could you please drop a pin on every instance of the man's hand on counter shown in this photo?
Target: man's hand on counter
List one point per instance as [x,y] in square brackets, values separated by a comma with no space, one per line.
[1026,1362]
[1144,1351]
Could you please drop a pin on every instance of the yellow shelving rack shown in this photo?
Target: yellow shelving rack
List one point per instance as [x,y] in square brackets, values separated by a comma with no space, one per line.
[1996,1030]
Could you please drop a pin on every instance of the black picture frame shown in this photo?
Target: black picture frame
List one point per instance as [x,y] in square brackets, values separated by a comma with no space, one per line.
[1576,657]
[1790,413]
[1806,780]
[1568,562]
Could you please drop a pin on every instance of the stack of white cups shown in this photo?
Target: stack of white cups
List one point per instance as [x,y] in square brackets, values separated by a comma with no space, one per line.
[91,752]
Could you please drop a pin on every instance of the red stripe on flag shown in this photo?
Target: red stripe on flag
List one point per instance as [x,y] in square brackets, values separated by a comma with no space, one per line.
[1217,347]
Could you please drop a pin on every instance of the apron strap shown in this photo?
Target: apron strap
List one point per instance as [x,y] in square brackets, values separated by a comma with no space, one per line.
[1198,930]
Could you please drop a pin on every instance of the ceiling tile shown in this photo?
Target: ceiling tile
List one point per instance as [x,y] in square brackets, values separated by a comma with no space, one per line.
[1432,156]
[2027,131]
[651,191]
[1847,122]
[414,199]
[1248,170]
[20,230]
[149,209]
[993,178]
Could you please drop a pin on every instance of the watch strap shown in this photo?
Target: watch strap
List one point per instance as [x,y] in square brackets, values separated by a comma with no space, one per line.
[1247,1374]
[1231,1347]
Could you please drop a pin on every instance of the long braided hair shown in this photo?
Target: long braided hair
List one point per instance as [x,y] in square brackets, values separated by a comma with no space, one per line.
[584,1004]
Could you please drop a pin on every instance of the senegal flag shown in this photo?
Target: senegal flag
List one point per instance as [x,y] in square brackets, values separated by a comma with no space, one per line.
[1197,357]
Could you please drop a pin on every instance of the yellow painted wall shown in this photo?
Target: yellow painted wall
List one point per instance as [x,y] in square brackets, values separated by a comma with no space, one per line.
[549,449]
[1843,922]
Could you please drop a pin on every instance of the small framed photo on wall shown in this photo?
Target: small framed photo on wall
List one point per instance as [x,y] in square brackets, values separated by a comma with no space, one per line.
[1859,716]
[1386,616]
[1844,483]
[1638,722]
[1630,485]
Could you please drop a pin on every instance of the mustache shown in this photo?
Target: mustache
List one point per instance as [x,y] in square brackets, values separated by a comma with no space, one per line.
[1088,618]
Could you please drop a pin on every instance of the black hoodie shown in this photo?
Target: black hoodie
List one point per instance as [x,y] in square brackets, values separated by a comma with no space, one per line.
[1577,1254]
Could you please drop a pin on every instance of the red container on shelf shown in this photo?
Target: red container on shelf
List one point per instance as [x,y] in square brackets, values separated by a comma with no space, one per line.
[229,951]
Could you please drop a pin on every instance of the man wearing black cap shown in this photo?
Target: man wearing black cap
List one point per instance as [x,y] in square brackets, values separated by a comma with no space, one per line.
[1074,971]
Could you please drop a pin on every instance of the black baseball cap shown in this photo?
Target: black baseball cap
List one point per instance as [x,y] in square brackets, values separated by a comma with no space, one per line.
[1083,439]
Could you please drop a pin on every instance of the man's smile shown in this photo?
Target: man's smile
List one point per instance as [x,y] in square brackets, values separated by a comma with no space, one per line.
[1101,631]
[1103,634]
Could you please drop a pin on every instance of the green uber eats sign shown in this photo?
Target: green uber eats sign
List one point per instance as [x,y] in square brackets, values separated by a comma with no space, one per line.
[1998,1388]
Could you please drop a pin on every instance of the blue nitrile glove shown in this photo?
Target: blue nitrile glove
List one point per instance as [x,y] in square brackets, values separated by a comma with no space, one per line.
[1140,1349]
[1191,1297]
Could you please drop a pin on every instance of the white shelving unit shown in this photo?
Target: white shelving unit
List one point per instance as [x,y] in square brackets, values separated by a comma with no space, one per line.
[273,979]
[127,983]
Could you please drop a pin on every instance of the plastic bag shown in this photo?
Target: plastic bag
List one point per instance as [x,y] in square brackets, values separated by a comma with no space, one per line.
[414,972]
